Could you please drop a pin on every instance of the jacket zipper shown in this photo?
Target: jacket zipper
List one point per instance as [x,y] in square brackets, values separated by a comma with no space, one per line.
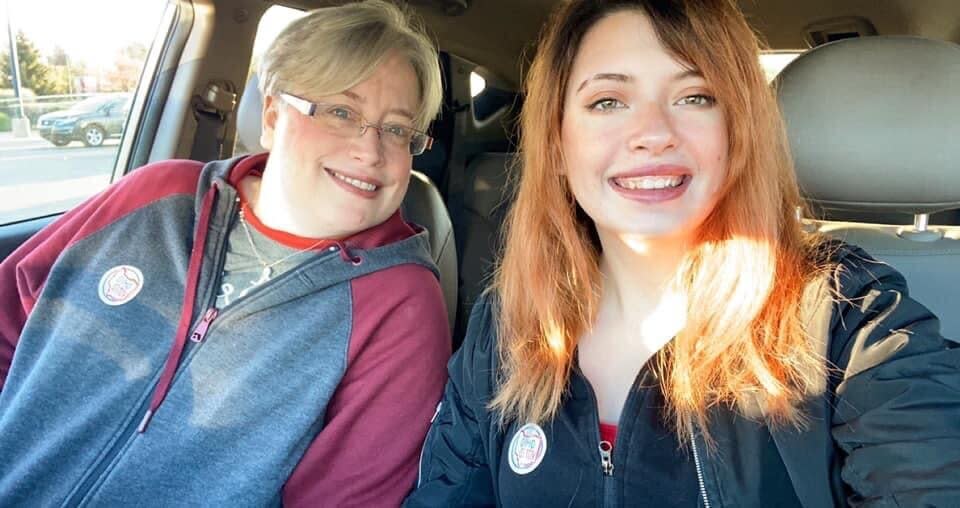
[196,336]
[699,466]
[605,448]
[606,458]
[606,470]
[200,331]
[202,328]
[133,426]
[423,448]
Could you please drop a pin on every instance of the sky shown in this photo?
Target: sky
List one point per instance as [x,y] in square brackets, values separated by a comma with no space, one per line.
[94,30]
[89,30]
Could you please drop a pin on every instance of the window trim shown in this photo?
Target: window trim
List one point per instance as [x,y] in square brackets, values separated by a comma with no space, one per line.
[154,87]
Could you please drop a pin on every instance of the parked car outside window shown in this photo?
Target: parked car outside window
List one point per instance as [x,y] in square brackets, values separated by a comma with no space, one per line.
[90,121]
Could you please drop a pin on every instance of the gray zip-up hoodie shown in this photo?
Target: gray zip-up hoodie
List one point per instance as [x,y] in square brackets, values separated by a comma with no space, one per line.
[123,386]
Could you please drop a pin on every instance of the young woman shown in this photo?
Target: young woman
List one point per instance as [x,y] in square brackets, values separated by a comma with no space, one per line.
[660,331]
[248,331]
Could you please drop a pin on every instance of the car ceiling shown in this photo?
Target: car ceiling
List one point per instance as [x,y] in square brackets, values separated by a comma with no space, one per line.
[499,34]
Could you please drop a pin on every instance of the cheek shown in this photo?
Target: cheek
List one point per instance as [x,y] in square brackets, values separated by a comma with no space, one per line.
[586,146]
[709,143]
[403,183]
[719,152]
[302,138]
[400,176]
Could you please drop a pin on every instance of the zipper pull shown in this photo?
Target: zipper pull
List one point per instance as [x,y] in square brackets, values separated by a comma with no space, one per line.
[606,458]
[201,330]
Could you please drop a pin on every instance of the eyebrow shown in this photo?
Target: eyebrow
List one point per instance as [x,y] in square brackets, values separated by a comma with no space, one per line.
[361,100]
[626,78]
[606,76]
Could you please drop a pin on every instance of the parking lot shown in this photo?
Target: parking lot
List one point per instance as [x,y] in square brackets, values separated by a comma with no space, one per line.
[37,178]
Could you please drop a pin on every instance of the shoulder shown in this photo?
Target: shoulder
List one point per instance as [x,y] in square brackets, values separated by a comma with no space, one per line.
[857,271]
[400,304]
[482,334]
[476,364]
[868,315]
[844,272]
[403,284]
[164,178]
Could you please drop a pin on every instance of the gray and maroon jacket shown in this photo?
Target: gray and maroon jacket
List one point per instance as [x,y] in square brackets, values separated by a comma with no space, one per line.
[122,385]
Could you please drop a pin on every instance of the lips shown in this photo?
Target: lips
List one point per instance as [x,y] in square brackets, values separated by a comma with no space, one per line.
[654,183]
[359,185]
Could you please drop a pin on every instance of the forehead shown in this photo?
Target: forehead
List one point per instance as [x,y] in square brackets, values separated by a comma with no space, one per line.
[393,83]
[622,42]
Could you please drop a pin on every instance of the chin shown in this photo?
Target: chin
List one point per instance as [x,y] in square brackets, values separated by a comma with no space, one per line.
[363,221]
[654,229]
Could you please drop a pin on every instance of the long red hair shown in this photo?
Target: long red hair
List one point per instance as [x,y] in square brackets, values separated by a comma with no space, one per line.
[744,343]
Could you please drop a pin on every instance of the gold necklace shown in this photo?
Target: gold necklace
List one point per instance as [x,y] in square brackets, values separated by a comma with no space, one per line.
[267,272]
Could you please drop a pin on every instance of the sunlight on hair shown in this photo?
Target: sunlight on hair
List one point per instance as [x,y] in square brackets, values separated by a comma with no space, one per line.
[743,279]
[554,335]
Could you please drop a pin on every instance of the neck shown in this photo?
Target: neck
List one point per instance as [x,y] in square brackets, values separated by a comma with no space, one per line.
[637,276]
[265,197]
[637,268]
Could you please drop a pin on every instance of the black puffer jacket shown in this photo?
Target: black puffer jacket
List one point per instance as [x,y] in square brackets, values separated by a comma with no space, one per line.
[886,431]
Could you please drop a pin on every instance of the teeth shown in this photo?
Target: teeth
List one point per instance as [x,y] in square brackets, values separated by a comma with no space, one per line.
[354,182]
[650,182]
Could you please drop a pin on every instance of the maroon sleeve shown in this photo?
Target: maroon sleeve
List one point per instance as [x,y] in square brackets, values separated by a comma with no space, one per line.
[24,272]
[368,453]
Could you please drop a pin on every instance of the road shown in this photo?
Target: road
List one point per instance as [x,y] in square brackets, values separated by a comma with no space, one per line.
[37,178]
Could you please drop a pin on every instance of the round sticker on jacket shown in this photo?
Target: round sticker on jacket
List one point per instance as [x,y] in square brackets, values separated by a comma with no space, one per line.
[120,284]
[527,448]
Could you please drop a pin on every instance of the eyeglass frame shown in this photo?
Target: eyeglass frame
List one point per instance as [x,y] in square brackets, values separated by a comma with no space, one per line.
[310,108]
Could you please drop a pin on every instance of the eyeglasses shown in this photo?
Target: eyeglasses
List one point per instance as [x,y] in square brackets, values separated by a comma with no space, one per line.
[347,122]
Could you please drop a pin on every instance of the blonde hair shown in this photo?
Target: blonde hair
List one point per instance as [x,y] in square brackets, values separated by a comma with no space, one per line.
[744,342]
[332,49]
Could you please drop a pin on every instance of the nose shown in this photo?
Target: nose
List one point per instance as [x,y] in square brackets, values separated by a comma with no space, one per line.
[367,148]
[651,129]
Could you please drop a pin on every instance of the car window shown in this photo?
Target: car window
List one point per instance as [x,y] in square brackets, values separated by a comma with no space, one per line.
[64,98]
[774,61]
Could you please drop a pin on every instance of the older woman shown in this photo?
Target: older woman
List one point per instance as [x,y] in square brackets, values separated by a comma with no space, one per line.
[245,332]
[681,342]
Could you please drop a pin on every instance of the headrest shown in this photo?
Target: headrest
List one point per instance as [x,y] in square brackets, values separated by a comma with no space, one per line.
[874,124]
[249,116]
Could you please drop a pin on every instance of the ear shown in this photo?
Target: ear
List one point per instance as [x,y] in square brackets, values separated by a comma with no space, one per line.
[268,121]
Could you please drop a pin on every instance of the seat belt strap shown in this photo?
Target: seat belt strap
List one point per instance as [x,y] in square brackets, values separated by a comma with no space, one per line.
[211,110]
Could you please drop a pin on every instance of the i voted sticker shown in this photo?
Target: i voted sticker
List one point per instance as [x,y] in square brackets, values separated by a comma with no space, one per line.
[120,285]
[527,448]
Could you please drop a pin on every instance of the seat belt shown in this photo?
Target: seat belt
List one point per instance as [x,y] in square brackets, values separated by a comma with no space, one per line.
[211,110]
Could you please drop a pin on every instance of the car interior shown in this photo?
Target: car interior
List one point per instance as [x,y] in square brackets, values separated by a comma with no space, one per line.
[870,101]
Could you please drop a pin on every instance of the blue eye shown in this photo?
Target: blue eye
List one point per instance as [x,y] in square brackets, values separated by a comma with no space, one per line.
[697,100]
[399,131]
[341,113]
[607,104]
